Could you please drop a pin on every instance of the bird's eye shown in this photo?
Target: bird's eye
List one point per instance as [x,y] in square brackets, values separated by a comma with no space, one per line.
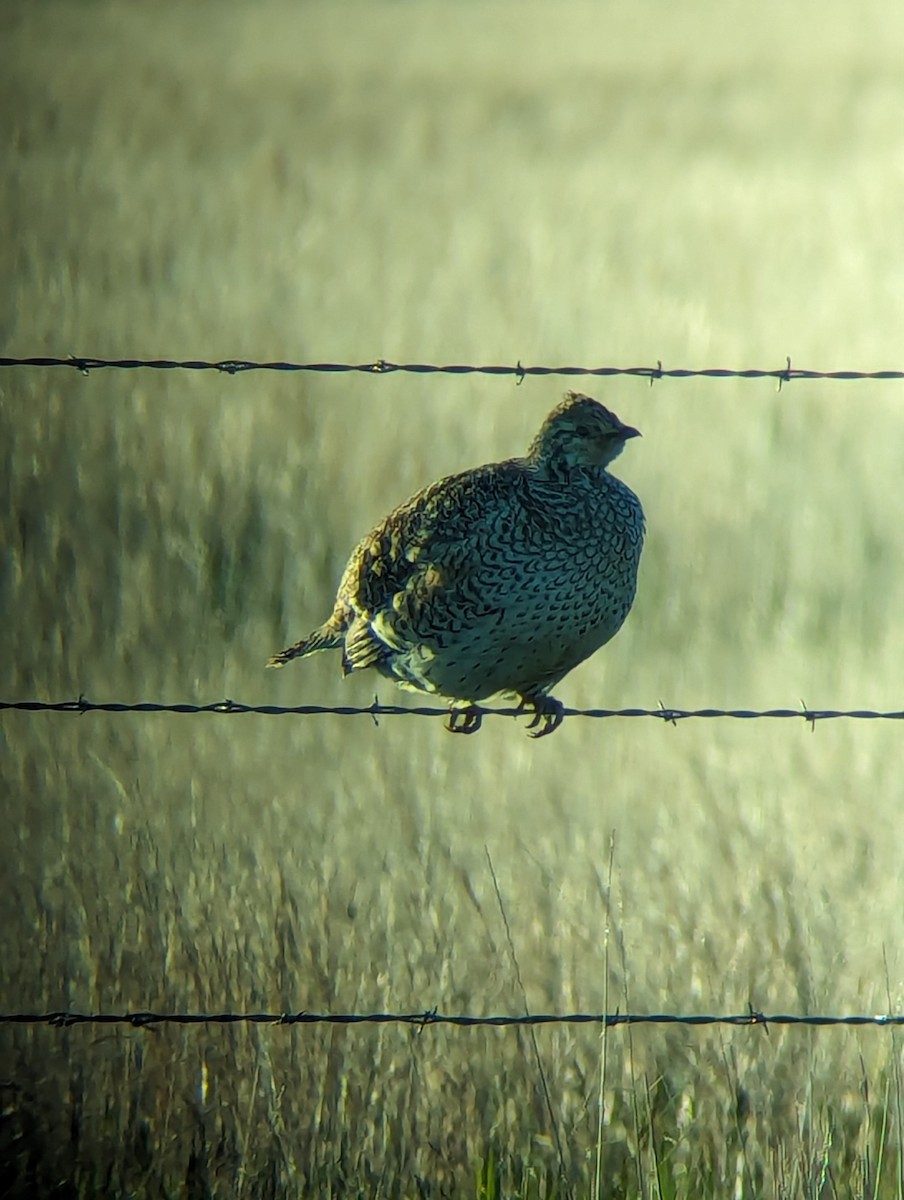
[582,431]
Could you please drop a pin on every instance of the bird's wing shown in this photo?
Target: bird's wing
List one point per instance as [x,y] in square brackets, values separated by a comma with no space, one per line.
[427,552]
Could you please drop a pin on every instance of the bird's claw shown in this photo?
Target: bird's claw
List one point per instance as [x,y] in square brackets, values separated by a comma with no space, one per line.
[549,714]
[464,720]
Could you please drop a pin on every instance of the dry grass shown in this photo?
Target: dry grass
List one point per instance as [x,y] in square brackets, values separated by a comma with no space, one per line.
[446,183]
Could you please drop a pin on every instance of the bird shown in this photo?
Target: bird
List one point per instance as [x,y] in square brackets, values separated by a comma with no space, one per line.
[497,580]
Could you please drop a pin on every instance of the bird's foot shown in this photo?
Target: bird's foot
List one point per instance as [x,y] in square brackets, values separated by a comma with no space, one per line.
[549,714]
[464,719]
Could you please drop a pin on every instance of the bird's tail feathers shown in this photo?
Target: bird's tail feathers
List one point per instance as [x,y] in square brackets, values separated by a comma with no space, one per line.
[327,637]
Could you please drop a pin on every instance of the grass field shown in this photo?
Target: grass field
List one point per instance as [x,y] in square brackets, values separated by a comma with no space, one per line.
[580,184]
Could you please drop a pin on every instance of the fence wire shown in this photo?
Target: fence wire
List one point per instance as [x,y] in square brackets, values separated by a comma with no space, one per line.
[143,1019]
[381,366]
[376,711]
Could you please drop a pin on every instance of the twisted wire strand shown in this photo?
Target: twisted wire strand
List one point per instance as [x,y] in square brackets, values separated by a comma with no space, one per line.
[143,1019]
[377,710]
[381,366]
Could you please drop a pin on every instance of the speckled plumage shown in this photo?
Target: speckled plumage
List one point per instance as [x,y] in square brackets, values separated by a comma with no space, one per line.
[500,579]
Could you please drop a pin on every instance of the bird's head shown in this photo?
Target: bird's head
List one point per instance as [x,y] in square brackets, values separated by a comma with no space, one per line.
[579,432]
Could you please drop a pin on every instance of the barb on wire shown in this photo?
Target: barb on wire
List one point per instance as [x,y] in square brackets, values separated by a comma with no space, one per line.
[143,1019]
[236,366]
[375,711]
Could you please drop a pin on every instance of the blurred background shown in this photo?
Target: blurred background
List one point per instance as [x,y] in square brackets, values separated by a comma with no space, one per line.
[703,185]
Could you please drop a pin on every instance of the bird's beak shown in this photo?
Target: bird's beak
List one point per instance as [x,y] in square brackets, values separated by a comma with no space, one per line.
[628,431]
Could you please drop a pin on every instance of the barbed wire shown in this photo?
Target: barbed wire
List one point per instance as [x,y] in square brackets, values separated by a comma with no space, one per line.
[376,710]
[145,1019]
[381,366]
